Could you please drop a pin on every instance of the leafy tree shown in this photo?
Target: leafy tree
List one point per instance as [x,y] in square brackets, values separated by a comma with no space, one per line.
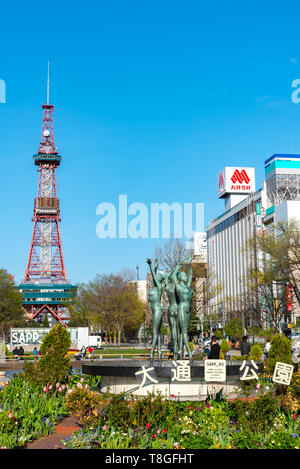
[234,328]
[54,363]
[265,298]
[11,313]
[110,302]
[280,351]
[280,246]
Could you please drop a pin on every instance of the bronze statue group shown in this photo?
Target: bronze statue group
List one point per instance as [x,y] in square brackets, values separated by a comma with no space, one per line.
[177,284]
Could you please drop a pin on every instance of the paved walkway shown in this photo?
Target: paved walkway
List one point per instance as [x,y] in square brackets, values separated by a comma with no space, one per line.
[55,441]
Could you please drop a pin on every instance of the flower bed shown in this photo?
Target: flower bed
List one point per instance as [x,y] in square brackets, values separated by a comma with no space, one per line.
[154,423]
[29,411]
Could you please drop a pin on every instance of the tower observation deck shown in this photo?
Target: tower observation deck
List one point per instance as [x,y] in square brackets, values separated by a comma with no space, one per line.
[45,287]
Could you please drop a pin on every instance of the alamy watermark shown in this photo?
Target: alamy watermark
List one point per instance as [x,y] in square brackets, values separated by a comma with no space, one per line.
[159,220]
[2,92]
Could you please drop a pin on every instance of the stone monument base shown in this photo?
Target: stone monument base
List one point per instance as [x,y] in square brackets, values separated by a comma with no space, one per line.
[119,376]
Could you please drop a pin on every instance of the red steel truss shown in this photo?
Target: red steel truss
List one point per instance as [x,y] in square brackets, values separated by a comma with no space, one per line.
[45,286]
[45,256]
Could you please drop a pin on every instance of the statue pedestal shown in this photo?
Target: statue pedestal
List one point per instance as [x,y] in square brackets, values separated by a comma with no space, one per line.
[119,376]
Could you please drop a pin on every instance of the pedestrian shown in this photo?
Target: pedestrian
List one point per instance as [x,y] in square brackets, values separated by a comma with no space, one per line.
[35,352]
[83,351]
[21,352]
[15,352]
[171,350]
[245,346]
[267,348]
[91,352]
[215,349]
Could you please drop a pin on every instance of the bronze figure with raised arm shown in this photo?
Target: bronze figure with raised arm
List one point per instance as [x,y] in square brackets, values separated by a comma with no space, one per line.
[155,295]
[183,283]
[172,310]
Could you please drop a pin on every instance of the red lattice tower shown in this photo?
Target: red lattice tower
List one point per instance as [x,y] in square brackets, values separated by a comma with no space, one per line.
[45,287]
[46,257]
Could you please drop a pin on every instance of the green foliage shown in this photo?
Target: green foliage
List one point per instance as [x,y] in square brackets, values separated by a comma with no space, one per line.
[280,351]
[54,363]
[257,415]
[45,322]
[11,313]
[83,403]
[256,353]
[240,357]
[27,412]
[137,412]
[146,422]
[234,328]
[225,347]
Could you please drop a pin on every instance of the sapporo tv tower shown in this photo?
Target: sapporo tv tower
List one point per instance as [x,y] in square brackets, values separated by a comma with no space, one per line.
[45,287]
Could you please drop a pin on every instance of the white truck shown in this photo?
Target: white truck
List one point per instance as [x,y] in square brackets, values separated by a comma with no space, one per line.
[33,337]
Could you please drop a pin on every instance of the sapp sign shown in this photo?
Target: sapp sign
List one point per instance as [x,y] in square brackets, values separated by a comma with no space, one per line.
[28,336]
[236,180]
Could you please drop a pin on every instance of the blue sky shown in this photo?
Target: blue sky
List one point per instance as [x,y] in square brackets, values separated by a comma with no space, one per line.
[152,99]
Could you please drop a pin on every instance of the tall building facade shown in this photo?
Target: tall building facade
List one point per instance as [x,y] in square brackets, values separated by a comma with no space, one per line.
[247,211]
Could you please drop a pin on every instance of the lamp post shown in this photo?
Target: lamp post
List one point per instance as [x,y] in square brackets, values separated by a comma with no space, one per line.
[144,329]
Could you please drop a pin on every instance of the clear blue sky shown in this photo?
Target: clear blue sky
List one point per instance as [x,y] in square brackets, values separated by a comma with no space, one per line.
[152,99]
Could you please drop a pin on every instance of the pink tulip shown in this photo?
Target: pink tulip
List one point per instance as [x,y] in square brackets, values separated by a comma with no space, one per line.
[57,385]
[9,414]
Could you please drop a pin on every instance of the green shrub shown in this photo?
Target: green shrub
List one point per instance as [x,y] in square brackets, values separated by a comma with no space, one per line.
[54,363]
[257,415]
[240,357]
[256,353]
[280,351]
[225,347]
[84,404]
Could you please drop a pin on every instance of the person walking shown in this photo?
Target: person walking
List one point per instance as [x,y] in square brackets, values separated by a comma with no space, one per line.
[171,350]
[245,346]
[91,352]
[215,349]
[15,352]
[21,352]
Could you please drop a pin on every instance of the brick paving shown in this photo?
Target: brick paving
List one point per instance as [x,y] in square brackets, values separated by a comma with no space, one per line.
[54,441]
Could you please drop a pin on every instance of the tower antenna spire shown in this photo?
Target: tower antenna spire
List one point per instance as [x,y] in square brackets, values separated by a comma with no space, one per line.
[48,84]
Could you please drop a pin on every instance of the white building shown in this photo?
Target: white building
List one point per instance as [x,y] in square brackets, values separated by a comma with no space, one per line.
[246,211]
[141,289]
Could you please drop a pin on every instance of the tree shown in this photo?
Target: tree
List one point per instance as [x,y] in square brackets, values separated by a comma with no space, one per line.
[264,303]
[170,253]
[11,313]
[111,303]
[54,363]
[234,328]
[280,246]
